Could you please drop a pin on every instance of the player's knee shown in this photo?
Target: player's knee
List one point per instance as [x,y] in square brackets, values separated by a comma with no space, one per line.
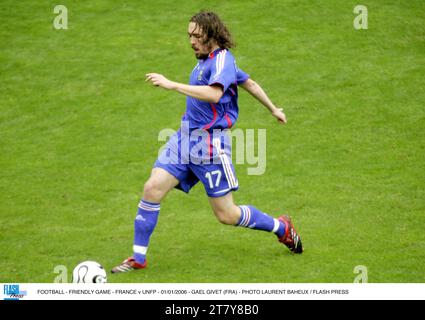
[227,216]
[152,191]
[221,217]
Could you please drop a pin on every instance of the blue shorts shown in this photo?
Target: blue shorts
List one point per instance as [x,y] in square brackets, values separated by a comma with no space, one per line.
[204,157]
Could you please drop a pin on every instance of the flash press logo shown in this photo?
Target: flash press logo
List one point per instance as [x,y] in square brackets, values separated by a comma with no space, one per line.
[12,292]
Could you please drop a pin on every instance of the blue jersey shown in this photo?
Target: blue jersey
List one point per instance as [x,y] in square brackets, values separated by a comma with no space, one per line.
[188,160]
[241,76]
[218,69]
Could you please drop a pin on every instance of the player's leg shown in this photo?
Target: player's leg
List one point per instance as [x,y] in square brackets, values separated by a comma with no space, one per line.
[250,217]
[158,185]
[219,180]
[155,189]
[225,209]
[227,212]
[168,172]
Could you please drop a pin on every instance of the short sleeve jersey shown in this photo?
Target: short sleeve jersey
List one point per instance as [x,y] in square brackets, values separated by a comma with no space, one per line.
[219,69]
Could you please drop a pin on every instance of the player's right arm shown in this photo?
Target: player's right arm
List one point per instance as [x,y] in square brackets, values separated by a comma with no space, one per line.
[210,93]
[257,92]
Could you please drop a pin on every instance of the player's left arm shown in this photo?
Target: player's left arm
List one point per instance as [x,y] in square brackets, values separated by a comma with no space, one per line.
[211,93]
[257,92]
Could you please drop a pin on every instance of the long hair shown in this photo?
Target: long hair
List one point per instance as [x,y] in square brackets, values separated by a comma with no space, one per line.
[214,29]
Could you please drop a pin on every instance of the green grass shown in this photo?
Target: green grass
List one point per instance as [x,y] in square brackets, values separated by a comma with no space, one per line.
[79,127]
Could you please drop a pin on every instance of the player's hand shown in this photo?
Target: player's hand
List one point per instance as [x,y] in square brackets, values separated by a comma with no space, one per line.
[159,80]
[279,115]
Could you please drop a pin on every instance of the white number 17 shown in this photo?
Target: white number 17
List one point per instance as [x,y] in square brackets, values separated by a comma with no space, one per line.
[209,175]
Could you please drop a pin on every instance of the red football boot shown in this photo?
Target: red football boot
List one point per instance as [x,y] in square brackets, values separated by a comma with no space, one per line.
[291,239]
[129,264]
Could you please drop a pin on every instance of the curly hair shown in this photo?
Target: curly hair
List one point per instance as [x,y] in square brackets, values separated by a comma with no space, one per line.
[213,28]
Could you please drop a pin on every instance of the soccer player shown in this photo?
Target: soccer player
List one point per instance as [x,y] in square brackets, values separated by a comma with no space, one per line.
[211,108]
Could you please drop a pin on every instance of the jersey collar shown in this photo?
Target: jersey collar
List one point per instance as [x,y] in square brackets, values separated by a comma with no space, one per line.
[214,53]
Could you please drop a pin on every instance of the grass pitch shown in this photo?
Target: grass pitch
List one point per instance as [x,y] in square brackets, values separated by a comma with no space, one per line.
[79,128]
